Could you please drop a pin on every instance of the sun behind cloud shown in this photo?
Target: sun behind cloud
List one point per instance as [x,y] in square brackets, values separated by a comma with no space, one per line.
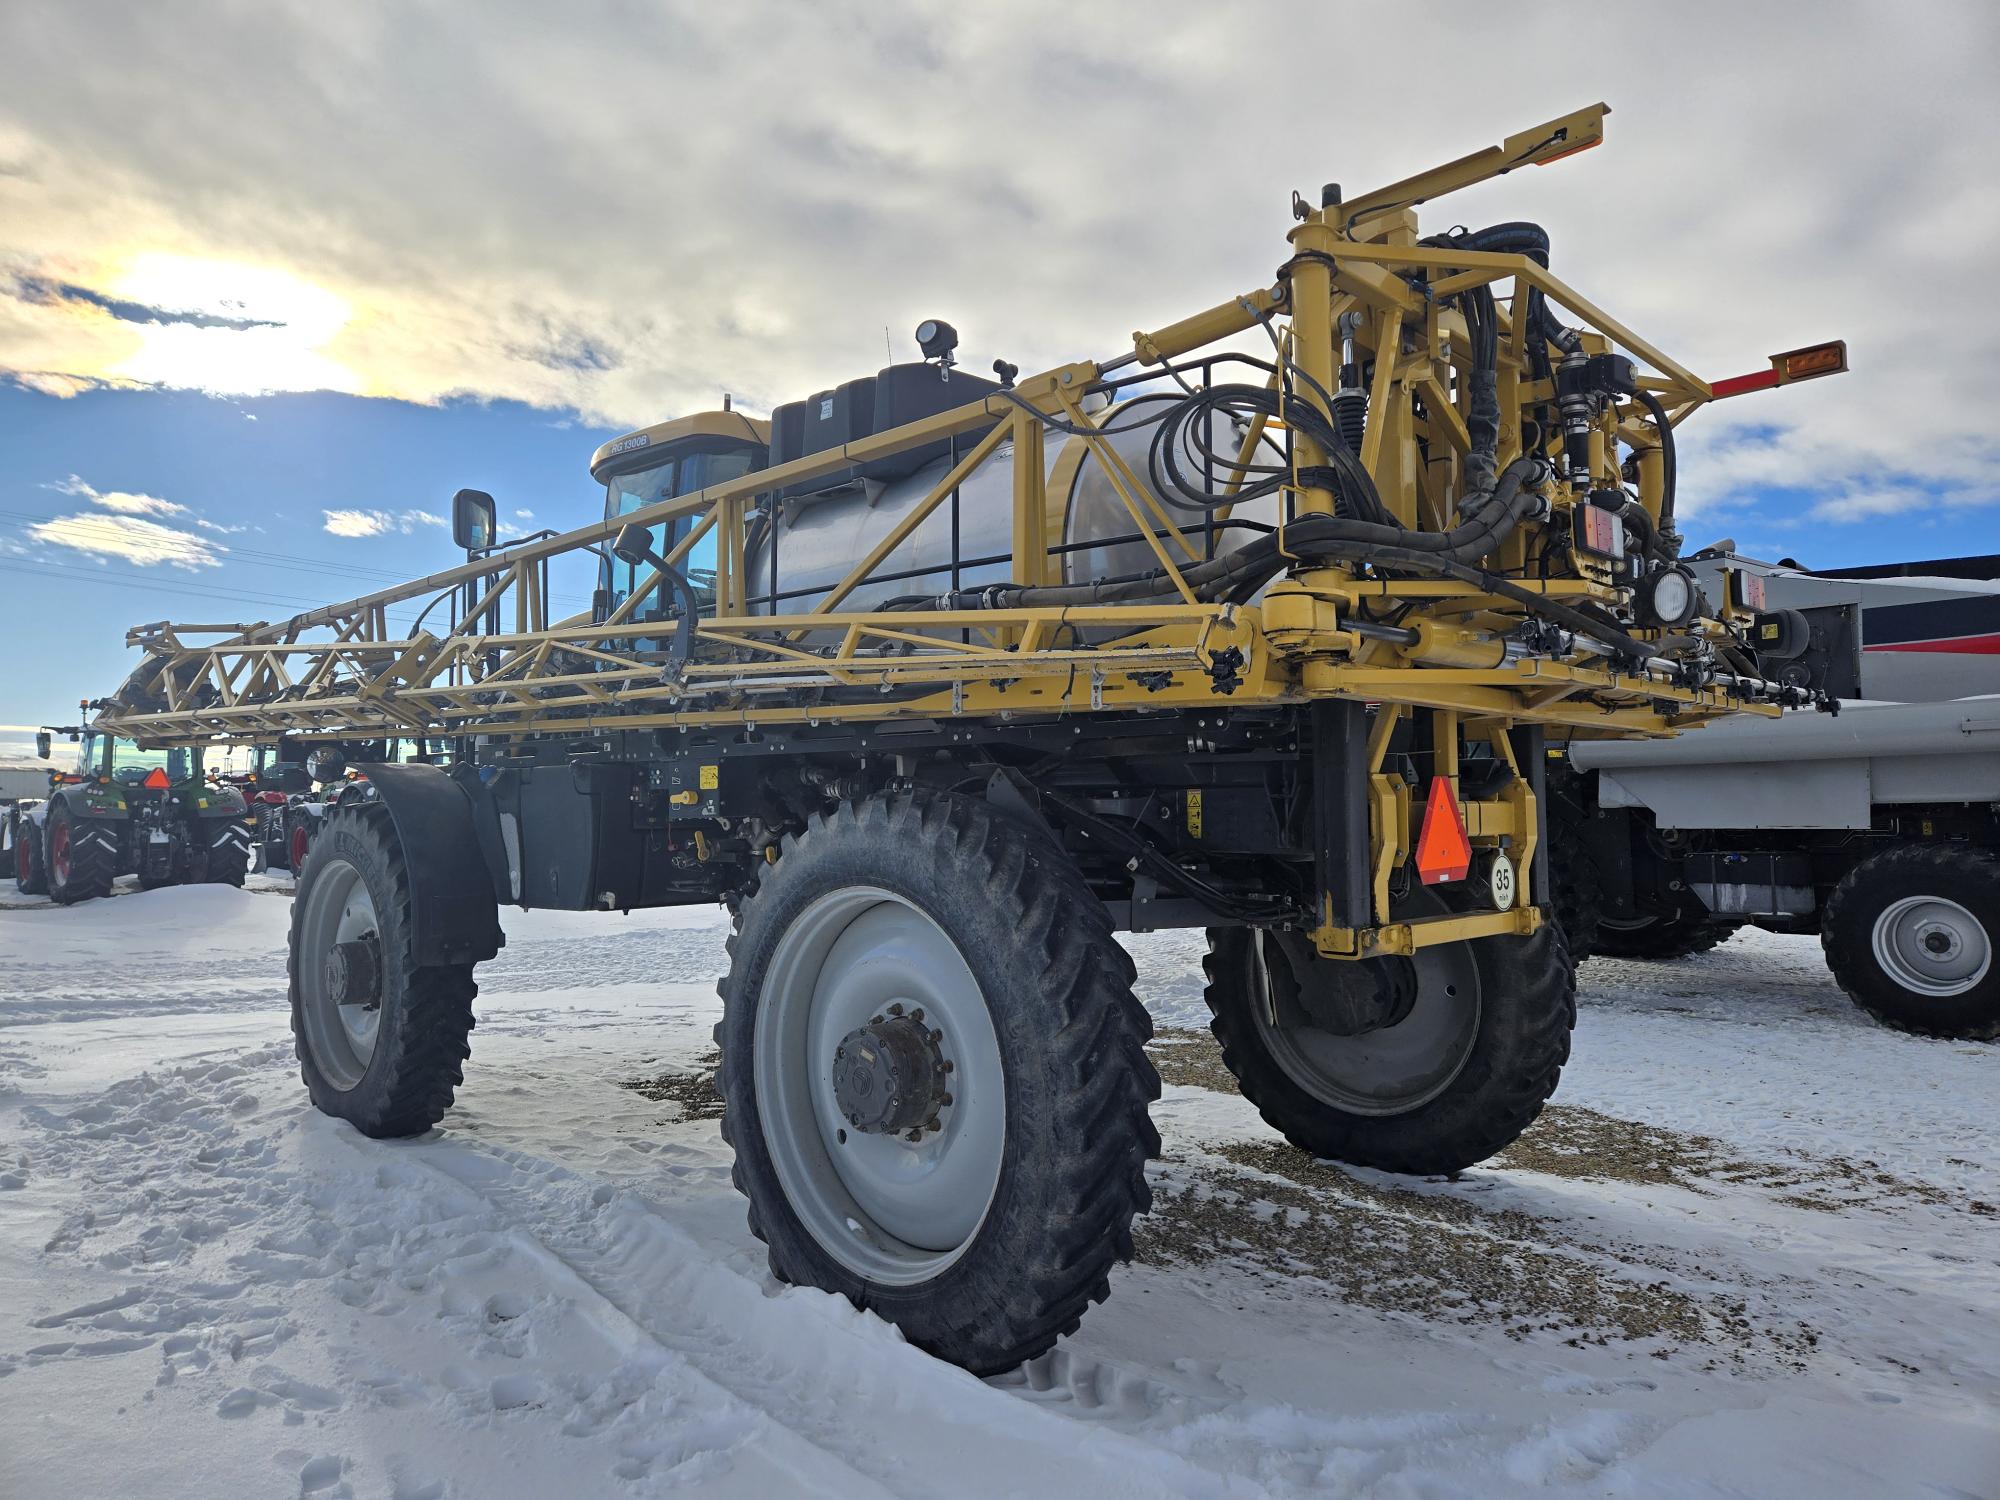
[246,329]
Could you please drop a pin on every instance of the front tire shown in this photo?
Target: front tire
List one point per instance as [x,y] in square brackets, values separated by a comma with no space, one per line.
[1911,934]
[381,1042]
[1458,1076]
[970,1173]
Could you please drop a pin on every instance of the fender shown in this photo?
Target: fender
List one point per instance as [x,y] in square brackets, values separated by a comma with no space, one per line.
[454,906]
[89,804]
[214,802]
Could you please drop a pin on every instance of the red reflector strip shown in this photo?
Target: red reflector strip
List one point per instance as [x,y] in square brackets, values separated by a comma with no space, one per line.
[1443,850]
[1571,151]
[1736,385]
[1964,645]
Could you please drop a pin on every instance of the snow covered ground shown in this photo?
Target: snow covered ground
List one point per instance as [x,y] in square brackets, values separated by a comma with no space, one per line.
[1750,1251]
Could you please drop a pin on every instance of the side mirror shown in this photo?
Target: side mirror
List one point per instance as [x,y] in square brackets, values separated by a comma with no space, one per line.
[600,606]
[326,764]
[472,520]
[633,544]
[42,743]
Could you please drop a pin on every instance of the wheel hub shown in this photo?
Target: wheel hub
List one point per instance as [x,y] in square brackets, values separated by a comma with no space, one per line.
[889,1076]
[1363,995]
[353,974]
[1930,945]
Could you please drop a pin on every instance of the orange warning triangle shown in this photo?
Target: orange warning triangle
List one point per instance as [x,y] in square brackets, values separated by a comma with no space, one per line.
[1443,850]
[156,778]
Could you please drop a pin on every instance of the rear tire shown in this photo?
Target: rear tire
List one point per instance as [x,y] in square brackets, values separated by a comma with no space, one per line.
[31,875]
[986,1238]
[212,863]
[390,1067]
[1913,936]
[82,860]
[1472,1086]
[1576,880]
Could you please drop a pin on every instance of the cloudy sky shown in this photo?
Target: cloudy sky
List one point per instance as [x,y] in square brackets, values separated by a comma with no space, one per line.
[276,278]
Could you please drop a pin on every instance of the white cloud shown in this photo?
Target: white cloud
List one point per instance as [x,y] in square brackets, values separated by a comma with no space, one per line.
[124,532]
[146,543]
[138,505]
[1752,194]
[120,500]
[358,522]
[524,515]
[376,522]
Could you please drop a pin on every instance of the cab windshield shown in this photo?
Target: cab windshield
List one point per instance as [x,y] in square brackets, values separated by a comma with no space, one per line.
[681,475]
[130,765]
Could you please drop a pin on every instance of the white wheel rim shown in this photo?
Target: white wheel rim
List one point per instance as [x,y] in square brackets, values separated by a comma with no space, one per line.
[342,1037]
[895,1212]
[1932,946]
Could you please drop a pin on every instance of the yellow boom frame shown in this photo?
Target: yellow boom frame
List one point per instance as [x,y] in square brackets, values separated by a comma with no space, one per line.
[341,672]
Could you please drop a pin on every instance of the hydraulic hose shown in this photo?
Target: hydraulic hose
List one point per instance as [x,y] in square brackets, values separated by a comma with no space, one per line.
[1491,519]
[1669,536]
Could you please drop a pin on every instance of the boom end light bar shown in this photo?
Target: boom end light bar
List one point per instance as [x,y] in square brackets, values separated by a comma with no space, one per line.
[1808,363]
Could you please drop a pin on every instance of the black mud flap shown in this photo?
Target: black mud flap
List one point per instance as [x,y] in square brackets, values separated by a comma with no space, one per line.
[454,884]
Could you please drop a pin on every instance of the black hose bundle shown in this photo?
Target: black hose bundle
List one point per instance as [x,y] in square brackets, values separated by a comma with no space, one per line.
[1183,437]
[1238,575]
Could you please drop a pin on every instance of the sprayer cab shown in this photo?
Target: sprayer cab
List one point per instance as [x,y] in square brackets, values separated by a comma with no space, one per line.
[661,463]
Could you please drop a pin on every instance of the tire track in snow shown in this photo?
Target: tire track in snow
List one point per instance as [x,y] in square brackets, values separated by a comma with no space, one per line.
[817,1366]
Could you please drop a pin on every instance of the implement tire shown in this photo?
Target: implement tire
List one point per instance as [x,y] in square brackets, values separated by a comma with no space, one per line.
[31,875]
[81,858]
[986,1237]
[1457,1078]
[381,1043]
[1913,936]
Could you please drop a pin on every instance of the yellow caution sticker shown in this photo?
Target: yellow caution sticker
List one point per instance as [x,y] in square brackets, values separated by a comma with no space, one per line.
[1194,812]
[711,778]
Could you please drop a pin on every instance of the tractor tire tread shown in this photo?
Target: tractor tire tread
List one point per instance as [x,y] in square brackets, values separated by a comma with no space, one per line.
[1009,1298]
[1499,1093]
[424,1067]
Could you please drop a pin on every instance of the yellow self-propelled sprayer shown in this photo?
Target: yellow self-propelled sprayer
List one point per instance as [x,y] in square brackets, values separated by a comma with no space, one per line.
[939,680]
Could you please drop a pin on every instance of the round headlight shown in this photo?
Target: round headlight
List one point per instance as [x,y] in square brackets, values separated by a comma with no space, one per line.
[1668,598]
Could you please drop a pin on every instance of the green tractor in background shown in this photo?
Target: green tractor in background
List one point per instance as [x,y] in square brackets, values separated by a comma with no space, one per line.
[122,810]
